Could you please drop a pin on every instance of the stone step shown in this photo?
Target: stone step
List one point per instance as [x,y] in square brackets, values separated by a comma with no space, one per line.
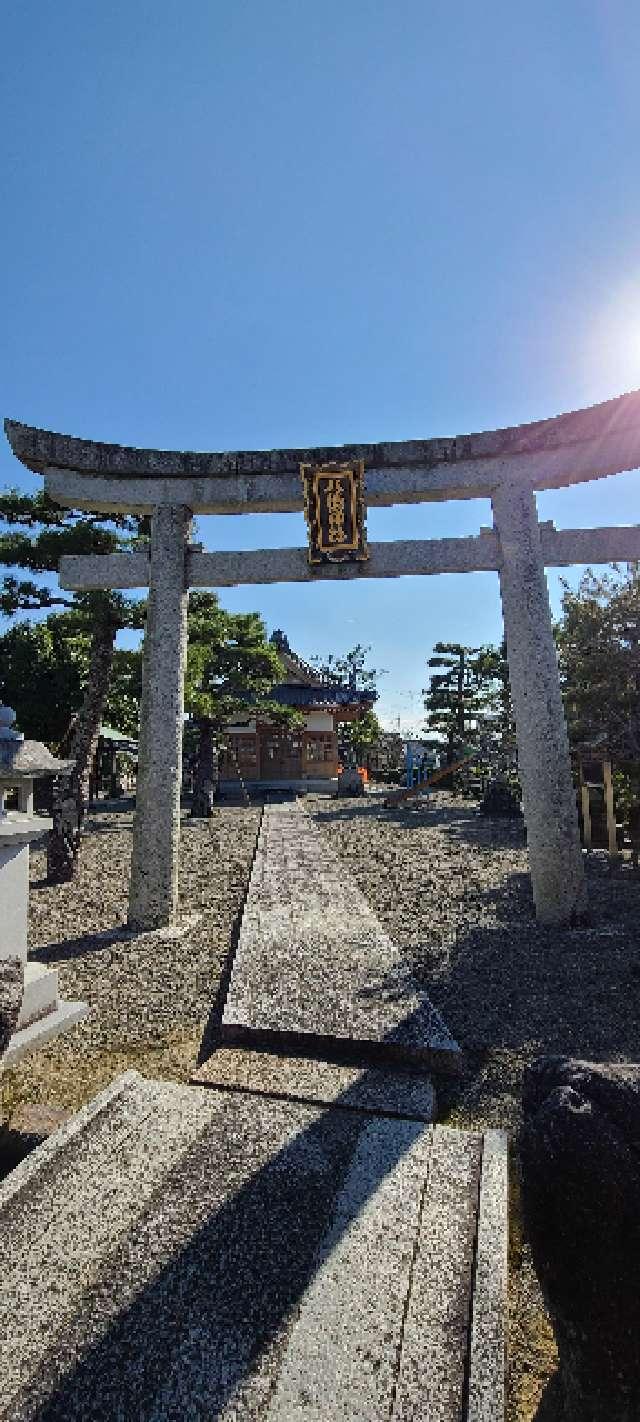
[342,1357]
[29,1190]
[380,1091]
[43,1029]
[314,966]
[232,1255]
[53,1258]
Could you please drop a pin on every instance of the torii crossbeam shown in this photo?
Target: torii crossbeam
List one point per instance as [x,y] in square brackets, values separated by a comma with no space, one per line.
[506,466]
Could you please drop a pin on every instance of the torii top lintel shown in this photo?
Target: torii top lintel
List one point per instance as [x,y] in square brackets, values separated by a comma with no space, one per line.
[583,444]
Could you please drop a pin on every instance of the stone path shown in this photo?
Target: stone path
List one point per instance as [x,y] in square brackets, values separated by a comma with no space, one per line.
[289,1239]
[314,965]
[176,1253]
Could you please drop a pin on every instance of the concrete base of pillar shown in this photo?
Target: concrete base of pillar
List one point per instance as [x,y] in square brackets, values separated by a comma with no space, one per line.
[44,1029]
[42,1014]
[40,993]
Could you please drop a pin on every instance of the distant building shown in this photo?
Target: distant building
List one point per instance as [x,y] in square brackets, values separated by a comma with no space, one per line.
[305,758]
[114,764]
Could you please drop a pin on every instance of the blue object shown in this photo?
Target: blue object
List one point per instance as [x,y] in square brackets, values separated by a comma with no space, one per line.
[409,765]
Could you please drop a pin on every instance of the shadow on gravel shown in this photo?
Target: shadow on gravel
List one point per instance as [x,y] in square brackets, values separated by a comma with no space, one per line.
[212,1035]
[479,830]
[69,948]
[213,1028]
[462,820]
[574,991]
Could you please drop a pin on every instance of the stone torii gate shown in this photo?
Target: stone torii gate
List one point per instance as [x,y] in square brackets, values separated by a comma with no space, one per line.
[506,466]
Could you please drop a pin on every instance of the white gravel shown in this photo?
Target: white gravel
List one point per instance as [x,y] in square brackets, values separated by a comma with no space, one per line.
[140,986]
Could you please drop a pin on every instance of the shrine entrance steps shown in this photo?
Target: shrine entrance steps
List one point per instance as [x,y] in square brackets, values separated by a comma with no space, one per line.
[180,1252]
[288,1239]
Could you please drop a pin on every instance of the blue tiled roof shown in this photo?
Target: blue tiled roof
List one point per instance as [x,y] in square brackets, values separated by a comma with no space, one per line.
[289,694]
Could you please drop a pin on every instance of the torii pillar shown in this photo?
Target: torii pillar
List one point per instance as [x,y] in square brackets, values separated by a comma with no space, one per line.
[544,764]
[153,889]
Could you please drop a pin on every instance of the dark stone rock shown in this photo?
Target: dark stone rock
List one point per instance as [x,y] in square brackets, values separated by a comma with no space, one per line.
[11,993]
[500,799]
[581,1194]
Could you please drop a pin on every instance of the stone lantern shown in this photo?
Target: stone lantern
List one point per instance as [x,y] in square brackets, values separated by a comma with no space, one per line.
[31,1011]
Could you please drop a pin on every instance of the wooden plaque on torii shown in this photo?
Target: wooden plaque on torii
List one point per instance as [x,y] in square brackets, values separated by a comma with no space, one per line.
[334,512]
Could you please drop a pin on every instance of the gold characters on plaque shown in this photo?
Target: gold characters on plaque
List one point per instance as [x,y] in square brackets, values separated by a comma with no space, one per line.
[336,507]
[334,511]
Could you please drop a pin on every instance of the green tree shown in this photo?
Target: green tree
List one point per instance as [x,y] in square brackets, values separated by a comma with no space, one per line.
[122,708]
[495,725]
[451,699]
[37,534]
[231,668]
[359,737]
[351,671]
[42,669]
[598,639]
[468,703]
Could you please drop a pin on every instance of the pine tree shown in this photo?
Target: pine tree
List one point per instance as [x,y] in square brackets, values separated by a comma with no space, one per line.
[43,667]
[451,699]
[350,670]
[495,725]
[468,702]
[50,533]
[358,738]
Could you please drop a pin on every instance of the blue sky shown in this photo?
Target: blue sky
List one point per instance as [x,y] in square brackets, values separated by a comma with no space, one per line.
[256,224]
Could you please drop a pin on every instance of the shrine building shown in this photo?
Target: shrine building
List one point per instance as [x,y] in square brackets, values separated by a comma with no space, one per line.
[302,758]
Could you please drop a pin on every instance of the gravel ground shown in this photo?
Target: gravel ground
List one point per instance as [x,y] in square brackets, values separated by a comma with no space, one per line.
[453,891]
[451,888]
[151,995]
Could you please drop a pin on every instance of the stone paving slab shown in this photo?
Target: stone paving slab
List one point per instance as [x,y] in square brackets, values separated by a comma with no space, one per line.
[382,1091]
[187,1311]
[488,1361]
[229,1255]
[435,1346]
[30,1186]
[64,1253]
[313,963]
[342,1357]
[32,1037]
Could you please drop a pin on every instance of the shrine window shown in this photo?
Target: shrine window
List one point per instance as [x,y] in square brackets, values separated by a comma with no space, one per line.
[321,747]
[243,750]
